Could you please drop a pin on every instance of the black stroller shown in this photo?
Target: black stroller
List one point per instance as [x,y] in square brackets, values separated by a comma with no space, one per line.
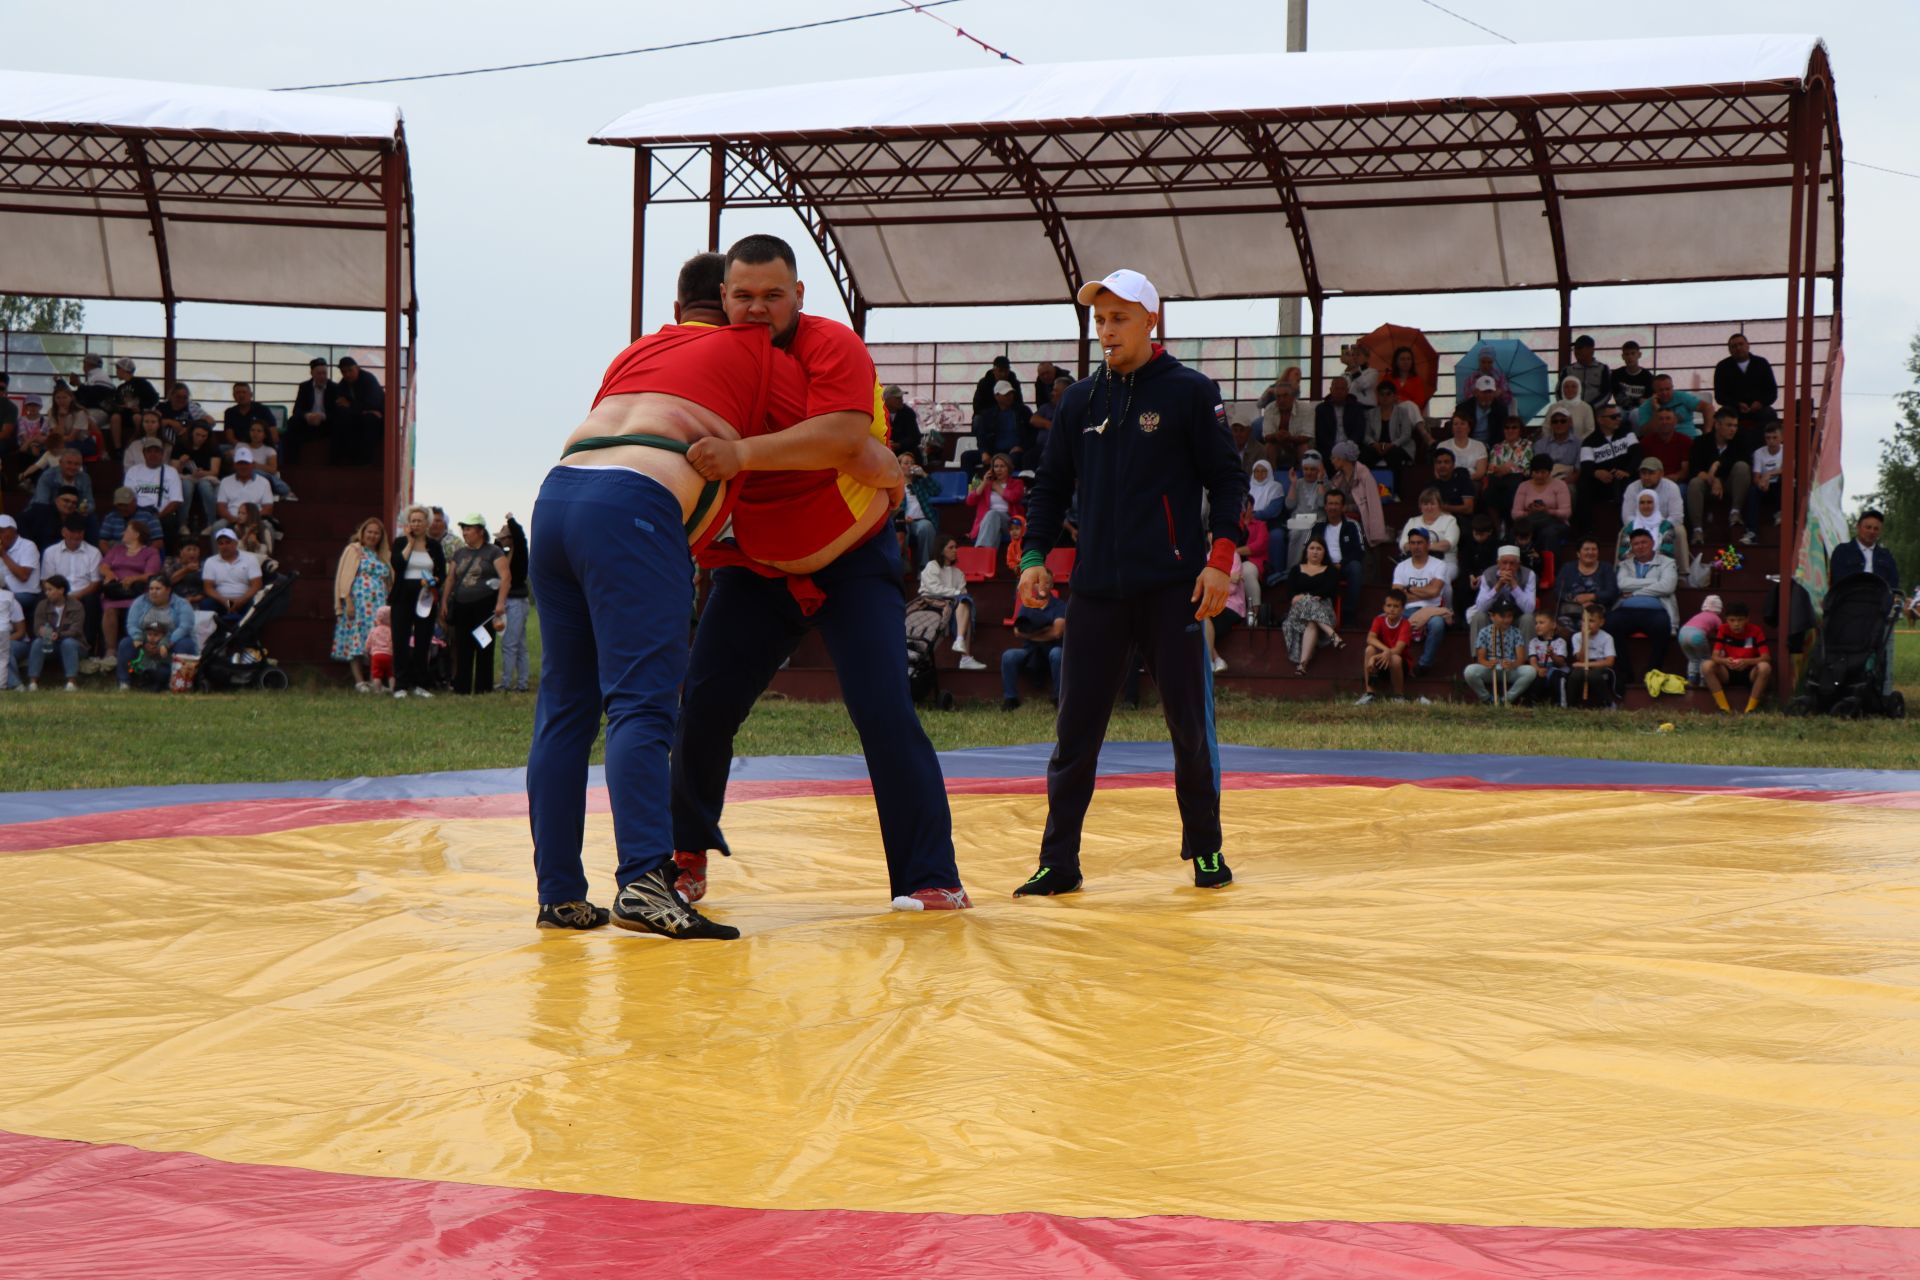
[234,657]
[1845,676]
[926,624]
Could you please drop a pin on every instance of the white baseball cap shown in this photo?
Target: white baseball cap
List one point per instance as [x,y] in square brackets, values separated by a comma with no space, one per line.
[226,535]
[1003,388]
[7,522]
[243,454]
[1123,283]
[1485,382]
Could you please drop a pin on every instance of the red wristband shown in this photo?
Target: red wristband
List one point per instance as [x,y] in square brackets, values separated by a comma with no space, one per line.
[1222,556]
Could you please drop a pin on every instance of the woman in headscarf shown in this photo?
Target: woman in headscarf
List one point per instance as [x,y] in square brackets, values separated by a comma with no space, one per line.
[1646,516]
[1576,409]
[1266,493]
[1306,499]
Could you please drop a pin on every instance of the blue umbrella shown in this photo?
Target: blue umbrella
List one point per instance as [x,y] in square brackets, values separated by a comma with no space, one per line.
[1528,379]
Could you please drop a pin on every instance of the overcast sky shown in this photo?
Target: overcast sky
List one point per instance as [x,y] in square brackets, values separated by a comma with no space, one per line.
[524,229]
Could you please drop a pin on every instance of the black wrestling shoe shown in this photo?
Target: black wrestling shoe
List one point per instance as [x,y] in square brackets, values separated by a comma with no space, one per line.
[652,905]
[1049,882]
[572,915]
[1210,871]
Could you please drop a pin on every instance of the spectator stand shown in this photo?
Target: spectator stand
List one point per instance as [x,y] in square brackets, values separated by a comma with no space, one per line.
[1547,166]
[144,191]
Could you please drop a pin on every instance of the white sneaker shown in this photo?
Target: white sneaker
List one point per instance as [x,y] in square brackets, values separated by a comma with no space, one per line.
[399,693]
[970,663]
[421,693]
[1363,700]
[1424,701]
[72,687]
[33,686]
[288,496]
[362,687]
[1748,538]
[1219,665]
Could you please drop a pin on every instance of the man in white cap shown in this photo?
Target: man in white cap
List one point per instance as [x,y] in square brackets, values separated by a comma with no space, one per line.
[157,490]
[243,485]
[1485,408]
[1509,579]
[1143,441]
[1004,428]
[232,578]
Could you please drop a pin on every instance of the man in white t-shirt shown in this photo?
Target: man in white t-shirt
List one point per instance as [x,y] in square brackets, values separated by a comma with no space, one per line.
[1763,495]
[156,489]
[1428,582]
[232,577]
[243,485]
[19,565]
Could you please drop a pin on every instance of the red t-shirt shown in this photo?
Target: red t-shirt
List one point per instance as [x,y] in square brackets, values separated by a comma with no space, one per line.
[789,515]
[1674,452]
[1391,636]
[725,369]
[1750,644]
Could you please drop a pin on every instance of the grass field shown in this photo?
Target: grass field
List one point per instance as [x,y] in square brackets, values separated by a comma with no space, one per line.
[99,738]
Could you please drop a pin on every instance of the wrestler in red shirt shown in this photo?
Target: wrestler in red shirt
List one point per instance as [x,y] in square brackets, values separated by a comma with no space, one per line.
[834,530]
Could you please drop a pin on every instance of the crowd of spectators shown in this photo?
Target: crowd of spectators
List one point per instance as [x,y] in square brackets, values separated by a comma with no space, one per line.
[130,577]
[1549,546]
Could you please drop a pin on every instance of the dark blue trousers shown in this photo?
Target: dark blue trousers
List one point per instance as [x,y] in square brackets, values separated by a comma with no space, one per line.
[1099,646]
[609,565]
[750,626]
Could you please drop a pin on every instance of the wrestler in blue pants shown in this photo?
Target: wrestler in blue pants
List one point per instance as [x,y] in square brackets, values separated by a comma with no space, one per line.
[610,568]
[750,626]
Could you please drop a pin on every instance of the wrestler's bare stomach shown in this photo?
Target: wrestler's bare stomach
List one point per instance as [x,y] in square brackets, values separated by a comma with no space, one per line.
[654,414]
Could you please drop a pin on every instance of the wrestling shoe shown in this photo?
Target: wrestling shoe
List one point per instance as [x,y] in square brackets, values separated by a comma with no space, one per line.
[933,900]
[650,905]
[571,915]
[692,881]
[1049,882]
[1210,871]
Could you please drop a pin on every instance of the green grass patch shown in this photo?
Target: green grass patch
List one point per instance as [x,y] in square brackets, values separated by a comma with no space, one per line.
[99,738]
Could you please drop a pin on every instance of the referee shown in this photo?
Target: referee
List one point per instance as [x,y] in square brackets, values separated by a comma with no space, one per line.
[1144,439]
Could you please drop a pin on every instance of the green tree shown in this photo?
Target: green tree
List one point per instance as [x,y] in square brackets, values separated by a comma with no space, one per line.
[40,315]
[1898,494]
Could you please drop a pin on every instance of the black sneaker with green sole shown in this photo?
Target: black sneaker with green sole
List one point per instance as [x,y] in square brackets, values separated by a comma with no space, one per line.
[1049,882]
[572,915]
[1210,871]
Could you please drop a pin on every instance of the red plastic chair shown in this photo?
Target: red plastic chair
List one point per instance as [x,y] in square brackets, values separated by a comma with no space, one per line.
[1546,571]
[978,563]
[1060,563]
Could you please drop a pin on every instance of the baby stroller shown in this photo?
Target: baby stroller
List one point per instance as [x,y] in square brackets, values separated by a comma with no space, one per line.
[926,625]
[234,657]
[1845,675]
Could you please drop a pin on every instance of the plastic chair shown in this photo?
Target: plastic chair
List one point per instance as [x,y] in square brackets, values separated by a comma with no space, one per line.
[978,563]
[1060,563]
[1546,571]
[949,487]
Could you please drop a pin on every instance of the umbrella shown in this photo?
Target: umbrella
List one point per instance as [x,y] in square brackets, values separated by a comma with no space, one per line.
[1527,379]
[1389,338]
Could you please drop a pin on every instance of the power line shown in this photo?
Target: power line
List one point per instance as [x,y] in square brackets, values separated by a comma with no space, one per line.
[962,32]
[1878,168]
[1469,21]
[629,53]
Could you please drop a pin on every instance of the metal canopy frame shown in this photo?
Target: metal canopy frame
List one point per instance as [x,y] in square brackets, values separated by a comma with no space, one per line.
[1549,151]
[166,177]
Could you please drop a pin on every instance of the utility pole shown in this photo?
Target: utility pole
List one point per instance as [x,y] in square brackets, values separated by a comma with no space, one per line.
[1289,326]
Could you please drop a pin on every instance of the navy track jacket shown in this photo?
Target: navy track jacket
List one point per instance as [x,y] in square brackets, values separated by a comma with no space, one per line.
[1142,457]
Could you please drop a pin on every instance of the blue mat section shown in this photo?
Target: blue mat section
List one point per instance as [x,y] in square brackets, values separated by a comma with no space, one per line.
[1028,761]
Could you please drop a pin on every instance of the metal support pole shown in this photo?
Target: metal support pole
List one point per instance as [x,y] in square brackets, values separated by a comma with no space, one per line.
[1316,349]
[1566,335]
[1085,348]
[1789,488]
[716,194]
[1289,326]
[642,192]
[171,359]
[859,319]
[393,468]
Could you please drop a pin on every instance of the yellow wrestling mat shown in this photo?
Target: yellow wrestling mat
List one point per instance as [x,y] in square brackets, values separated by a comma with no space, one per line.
[1563,1008]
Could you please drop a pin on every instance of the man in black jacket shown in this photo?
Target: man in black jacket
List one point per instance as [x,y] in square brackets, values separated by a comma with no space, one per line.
[314,414]
[1346,546]
[1143,439]
[1745,382]
[363,406]
[1338,417]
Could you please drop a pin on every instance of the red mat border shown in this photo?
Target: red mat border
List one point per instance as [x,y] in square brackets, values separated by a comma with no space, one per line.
[266,816]
[98,1210]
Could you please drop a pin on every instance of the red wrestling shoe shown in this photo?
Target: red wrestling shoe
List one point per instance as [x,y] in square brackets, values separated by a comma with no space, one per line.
[692,881]
[933,900]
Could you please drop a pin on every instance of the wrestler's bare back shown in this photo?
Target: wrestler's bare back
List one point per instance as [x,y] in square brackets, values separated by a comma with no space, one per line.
[653,413]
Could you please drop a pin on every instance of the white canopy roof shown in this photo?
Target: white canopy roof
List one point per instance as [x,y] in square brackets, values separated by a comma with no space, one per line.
[144,190]
[1259,175]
